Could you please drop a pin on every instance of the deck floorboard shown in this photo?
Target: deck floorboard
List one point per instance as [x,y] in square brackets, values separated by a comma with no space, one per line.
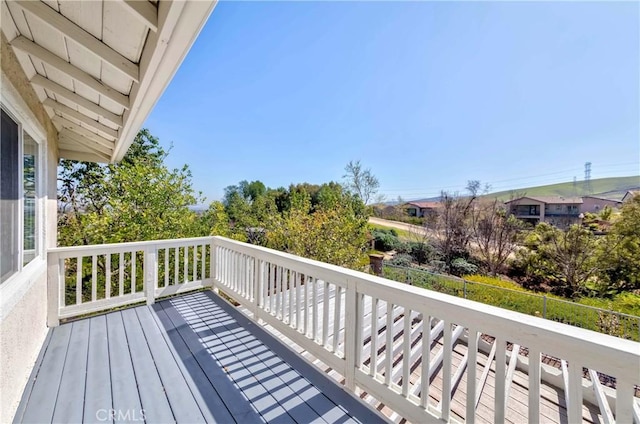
[191,358]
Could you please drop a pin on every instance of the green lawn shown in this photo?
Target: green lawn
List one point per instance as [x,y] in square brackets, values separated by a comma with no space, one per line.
[402,234]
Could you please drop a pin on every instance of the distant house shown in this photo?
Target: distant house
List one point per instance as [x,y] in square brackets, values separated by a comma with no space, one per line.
[593,204]
[555,210]
[630,195]
[421,209]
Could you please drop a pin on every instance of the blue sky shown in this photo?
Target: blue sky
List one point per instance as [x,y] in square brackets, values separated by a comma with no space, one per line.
[426,94]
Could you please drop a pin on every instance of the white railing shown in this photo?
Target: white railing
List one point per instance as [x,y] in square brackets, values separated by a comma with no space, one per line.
[88,279]
[379,335]
[382,336]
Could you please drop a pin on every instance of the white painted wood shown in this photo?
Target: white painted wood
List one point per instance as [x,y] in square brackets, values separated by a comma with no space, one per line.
[500,380]
[94,278]
[67,141]
[636,411]
[82,156]
[626,406]
[472,352]
[513,362]
[79,264]
[574,389]
[353,313]
[100,305]
[447,347]
[121,274]
[145,11]
[603,403]
[534,384]
[239,270]
[55,279]
[82,37]
[81,118]
[73,72]
[133,271]
[151,274]
[107,287]
[79,133]
[75,98]
[9,27]
[87,15]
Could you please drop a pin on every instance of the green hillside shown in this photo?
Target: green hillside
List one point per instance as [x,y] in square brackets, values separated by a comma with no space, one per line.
[610,188]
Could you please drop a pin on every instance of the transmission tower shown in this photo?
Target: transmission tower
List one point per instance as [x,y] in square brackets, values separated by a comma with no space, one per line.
[587,178]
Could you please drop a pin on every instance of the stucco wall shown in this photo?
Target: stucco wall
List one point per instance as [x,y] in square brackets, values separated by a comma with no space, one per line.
[22,332]
[594,205]
[23,314]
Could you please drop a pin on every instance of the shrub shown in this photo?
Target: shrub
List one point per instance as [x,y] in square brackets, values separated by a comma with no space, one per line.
[421,252]
[385,240]
[402,260]
[460,266]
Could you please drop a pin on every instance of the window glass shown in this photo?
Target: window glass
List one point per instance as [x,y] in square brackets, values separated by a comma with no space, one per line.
[9,197]
[30,162]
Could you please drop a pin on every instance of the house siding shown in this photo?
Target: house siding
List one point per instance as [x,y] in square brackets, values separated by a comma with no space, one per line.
[24,311]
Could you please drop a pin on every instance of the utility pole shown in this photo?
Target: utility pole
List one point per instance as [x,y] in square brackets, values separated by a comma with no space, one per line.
[587,178]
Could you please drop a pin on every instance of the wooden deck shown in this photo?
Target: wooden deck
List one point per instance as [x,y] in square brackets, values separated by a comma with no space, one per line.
[191,358]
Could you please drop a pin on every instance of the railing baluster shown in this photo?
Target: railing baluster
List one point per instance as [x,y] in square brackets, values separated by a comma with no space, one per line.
[279,299]
[94,278]
[133,272]
[291,297]
[79,280]
[472,350]
[425,371]
[500,375]
[121,274]
[325,315]
[534,384]
[185,266]
[374,337]
[176,266]
[203,270]
[574,408]
[314,315]
[447,349]
[298,305]
[406,349]
[195,262]
[305,326]
[625,399]
[388,358]
[166,267]
[336,316]
[107,278]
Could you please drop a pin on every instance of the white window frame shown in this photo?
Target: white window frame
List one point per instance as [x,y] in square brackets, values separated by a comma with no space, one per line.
[14,287]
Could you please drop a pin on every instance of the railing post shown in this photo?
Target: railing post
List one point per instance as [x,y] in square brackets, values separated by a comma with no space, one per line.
[464,288]
[544,306]
[352,316]
[55,278]
[150,273]
[256,287]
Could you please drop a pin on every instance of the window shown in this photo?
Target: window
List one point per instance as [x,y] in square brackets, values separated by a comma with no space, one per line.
[18,197]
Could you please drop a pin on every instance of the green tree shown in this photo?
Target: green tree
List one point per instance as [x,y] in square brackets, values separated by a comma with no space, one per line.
[360,181]
[565,260]
[335,231]
[620,252]
[136,199]
[495,233]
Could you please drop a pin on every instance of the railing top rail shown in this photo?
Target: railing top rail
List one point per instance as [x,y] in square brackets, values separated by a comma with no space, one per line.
[606,353]
[94,248]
